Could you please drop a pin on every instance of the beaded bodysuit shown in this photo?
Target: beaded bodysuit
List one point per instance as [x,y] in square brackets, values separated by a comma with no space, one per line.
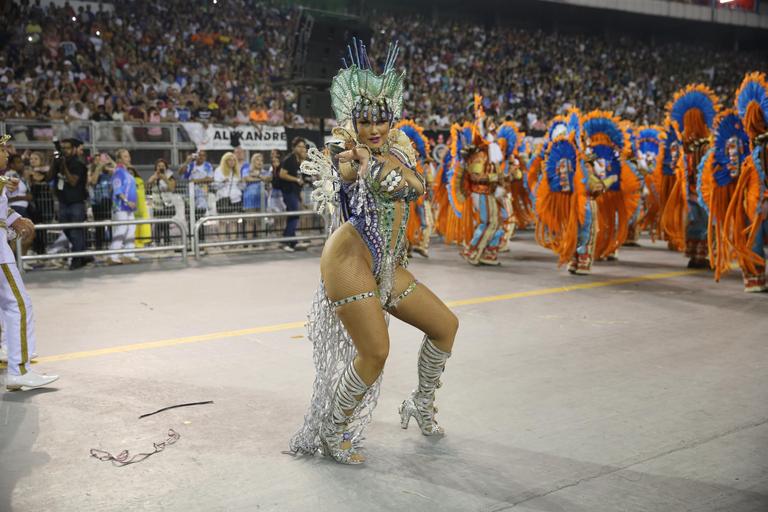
[370,207]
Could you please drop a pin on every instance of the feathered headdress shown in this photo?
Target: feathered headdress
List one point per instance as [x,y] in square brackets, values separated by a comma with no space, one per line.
[694,108]
[358,92]
[512,136]
[463,138]
[752,104]
[602,128]
[561,155]
[604,139]
[649,139]
[416,133]
[728,129]
[558,126]
[573,117]
[672,137]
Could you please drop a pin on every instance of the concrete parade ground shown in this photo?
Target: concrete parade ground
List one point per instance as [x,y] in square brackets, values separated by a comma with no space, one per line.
[643,387]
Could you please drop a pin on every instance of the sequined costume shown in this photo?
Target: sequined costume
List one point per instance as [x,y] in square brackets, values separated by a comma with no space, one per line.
[342,403]
[716,182]
[684,221]
[604,144]
[747,217]
[421,221]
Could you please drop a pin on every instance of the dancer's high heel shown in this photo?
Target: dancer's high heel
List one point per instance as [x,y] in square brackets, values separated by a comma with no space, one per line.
[335,441]
[421,404]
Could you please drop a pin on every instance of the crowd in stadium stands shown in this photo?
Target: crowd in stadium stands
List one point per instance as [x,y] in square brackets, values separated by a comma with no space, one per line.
[180,61]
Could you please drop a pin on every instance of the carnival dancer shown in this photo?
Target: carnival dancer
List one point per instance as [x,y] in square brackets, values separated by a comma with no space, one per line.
[564,221]
[517,198]
[368,182]
[718,174]
[476,219]
[604,144]
[629,156]
[747,216]
[684,221]
[650,160]
[15,304]
[441,204]
[666,176]
[421,221]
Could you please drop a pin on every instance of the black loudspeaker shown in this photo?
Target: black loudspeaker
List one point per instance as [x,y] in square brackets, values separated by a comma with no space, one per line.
[315,104]
[321,42]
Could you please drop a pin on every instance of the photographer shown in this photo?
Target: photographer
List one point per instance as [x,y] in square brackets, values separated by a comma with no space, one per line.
[161,186]
[70,178]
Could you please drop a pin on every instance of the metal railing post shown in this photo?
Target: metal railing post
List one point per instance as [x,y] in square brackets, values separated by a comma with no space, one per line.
[192,215]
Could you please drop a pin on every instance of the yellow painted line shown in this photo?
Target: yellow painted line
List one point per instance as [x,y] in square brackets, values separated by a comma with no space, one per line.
[298,325]
[171,342]
[571,288]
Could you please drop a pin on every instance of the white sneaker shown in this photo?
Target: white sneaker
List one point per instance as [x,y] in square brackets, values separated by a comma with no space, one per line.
[28,380]
[4,355]
[288,248]
[302,245]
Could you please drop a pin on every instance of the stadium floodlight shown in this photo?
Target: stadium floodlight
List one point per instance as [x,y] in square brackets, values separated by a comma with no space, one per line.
[74,18]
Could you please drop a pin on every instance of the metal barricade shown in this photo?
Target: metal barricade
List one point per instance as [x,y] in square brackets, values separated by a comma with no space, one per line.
[106,252]
[197,245]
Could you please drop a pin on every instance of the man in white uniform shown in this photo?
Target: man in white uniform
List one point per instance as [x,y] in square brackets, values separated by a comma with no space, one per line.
[15,305]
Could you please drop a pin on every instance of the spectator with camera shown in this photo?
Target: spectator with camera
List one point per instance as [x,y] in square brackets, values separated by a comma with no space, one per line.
[70,178]
[291,184]
[124,200]
[162,185]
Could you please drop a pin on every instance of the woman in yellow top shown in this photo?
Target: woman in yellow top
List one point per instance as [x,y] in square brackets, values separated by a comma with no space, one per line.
[143,231]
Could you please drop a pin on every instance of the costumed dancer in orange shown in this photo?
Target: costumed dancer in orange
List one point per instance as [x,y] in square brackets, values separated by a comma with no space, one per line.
[441,207]
[475,218]
[649,151]
[630,157]
[517,199]
[666,176]
[565,221]
[684,221]
[604,144]
[747,216]
[421,222]
[718,174]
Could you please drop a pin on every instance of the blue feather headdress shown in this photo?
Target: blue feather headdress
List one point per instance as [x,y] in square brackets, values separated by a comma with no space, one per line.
[694,96]
[416,134]
[561,154]
[753,91]
[729,129]
[509,132]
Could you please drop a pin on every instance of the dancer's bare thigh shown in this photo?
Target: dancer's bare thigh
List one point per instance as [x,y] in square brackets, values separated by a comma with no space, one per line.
[346,269]
[424,310]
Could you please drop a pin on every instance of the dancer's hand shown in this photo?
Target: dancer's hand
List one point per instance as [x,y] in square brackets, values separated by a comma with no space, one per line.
[358,154]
